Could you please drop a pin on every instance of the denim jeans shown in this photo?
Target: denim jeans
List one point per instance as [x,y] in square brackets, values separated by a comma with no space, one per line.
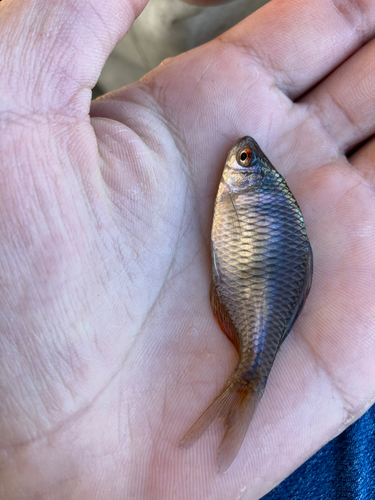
[344,469]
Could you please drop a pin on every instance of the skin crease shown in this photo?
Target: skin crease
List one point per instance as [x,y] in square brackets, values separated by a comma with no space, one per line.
[109,350]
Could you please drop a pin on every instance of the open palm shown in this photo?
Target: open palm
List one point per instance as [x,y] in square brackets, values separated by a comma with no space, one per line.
[109,349]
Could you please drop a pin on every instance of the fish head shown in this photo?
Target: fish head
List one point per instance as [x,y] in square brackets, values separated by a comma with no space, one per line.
[246,166]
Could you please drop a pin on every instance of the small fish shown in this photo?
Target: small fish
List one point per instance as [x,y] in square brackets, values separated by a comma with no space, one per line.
[261,275]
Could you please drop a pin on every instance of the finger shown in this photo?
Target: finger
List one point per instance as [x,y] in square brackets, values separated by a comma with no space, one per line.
[345,101]
[364,161]
[52,55]
[300,41]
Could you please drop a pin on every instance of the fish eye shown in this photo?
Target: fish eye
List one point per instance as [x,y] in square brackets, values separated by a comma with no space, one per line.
[244,157]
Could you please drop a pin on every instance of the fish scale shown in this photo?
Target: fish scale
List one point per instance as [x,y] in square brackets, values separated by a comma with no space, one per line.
[261,276]
[262,270]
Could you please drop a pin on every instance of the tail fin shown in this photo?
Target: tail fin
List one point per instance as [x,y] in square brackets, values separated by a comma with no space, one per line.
[235,405]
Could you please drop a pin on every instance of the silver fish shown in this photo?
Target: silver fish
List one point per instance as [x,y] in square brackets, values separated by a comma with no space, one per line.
[261,275]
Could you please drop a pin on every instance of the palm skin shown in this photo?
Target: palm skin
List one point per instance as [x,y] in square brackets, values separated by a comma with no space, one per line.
[109,348]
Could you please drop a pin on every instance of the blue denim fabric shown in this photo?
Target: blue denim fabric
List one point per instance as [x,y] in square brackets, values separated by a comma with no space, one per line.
[344,469]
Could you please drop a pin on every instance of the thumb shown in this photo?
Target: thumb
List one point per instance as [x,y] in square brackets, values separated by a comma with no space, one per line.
[52,53]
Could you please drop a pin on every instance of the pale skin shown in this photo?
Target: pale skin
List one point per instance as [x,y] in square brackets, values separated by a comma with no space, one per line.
[109,350]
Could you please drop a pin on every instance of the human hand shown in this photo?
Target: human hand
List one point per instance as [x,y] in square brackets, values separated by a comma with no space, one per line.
[109,348]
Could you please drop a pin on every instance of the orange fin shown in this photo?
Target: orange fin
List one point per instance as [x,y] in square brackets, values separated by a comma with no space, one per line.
[235,404]
[223,318]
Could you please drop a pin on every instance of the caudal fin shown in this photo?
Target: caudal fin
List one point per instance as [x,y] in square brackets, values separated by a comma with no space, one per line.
[235,405]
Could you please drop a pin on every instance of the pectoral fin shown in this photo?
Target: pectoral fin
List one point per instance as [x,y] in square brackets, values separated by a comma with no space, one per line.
[223,318]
